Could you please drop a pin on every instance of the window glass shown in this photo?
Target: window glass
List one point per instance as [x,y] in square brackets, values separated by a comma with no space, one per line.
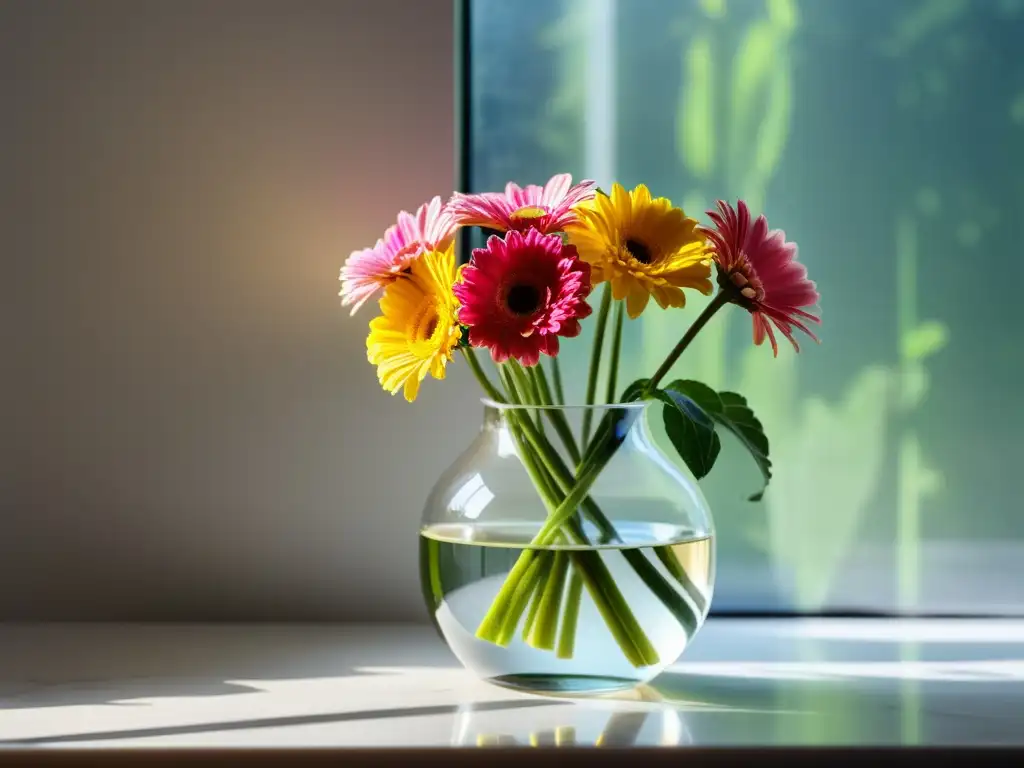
[887,138]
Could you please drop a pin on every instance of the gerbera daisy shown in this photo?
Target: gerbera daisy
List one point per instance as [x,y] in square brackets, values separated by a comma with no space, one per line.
[518,295]
[759,269]
[417,331]
[368,270]
[644,247]
[548,208]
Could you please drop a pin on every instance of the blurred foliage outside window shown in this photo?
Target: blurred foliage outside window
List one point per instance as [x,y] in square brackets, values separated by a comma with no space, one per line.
[887,138]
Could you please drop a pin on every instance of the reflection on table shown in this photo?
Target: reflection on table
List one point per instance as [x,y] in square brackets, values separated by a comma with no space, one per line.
[636,718]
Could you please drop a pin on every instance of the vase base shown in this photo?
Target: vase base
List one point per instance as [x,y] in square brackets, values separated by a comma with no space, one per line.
[564,685]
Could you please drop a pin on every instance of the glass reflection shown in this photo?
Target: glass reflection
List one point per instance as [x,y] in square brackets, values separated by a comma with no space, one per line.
[636,718]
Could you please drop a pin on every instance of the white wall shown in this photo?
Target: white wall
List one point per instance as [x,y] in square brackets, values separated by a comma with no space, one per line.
[189,428]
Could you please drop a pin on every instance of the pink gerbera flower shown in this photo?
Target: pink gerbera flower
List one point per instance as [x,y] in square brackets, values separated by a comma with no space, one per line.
[548,208]
[518,295]
[759,268]
[369,270]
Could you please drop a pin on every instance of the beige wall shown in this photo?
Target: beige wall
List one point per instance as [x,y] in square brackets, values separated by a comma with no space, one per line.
[190,429]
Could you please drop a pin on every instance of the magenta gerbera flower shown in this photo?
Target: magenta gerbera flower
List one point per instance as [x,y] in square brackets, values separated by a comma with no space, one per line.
[520,293]
[369,270]
[548,208]
[759,268]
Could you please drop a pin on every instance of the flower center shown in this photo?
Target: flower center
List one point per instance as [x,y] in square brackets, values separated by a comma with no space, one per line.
[639,251]
[424,322]
[528,212]
[522,299]
[743,277]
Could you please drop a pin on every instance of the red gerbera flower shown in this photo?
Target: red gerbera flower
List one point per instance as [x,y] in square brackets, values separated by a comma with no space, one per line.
[760,269]
[518,295]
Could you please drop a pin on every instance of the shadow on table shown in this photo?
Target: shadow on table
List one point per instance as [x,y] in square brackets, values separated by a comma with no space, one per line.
[268,722]
[777,687]
[61,665]
[633,718]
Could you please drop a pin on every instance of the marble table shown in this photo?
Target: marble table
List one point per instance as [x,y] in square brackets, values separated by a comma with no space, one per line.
[69,689]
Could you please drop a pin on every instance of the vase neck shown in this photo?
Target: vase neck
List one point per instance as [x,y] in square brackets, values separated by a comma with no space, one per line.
[569,429]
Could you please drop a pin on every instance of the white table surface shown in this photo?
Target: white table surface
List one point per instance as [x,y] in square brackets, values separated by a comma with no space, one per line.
[742,683]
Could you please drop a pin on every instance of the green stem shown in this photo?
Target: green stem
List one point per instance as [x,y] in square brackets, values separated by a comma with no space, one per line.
[613,607]
[509,603]
[481,376]
[492,622]
[433,588]
[613,366]
[720,300]
[528,394]
[542,466]
[673,566]
[527,384]
[595,358]
[663,590]
[562,483]
[531,616]
[499,625]
[549,495]
[556,376]
[545,626]
[545,484]
[571,616]
[587,477]
[533,577]
[516,393]
[495,623]
[555,416]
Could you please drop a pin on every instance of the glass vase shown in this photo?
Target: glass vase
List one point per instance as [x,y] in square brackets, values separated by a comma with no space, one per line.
[564,553]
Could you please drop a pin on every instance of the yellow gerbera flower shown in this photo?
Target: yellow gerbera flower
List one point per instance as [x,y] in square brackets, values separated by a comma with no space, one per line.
[418,331]
[643,247]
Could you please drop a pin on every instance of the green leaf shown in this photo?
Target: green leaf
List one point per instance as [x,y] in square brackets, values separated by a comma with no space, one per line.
[691,431]
[732,412]
[689,428]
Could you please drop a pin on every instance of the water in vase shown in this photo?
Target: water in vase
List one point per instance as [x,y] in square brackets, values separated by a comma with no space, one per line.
[577,651]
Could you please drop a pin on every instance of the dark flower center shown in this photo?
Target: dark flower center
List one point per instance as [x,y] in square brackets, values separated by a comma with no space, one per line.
[639,251]
[424,322]
[743,283]
[522,299]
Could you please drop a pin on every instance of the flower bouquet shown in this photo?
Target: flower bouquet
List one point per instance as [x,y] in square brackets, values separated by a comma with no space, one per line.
[529,287]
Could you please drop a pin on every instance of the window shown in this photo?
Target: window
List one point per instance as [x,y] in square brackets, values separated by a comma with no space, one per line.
[888,139]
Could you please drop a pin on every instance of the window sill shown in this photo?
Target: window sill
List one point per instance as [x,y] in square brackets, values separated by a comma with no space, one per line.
[745,683]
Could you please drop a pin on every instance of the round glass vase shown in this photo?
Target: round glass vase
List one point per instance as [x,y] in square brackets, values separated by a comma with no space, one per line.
[557,569]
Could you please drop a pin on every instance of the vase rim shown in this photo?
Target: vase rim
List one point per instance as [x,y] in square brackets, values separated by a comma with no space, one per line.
[636,405]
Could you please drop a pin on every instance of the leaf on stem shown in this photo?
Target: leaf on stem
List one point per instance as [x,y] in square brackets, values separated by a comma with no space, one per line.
[732,412]
[691,431]
[690,406]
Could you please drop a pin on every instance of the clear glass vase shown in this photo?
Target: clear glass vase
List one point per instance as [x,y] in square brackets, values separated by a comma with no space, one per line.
[602,601]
